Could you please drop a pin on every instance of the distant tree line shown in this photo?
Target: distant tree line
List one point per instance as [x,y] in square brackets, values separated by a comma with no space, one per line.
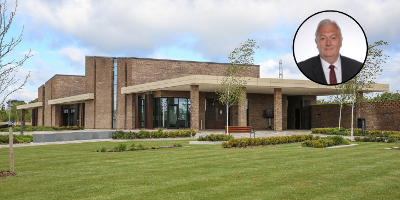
[16,115]
[386,96]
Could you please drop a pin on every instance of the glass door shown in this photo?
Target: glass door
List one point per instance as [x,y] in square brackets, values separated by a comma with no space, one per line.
[173,116]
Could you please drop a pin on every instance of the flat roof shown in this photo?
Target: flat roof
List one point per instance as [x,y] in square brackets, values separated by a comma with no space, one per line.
[72,99]
[30,106]
[163,60]
[209,83]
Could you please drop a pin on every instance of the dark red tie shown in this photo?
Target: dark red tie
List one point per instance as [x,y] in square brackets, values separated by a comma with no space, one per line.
[332,75]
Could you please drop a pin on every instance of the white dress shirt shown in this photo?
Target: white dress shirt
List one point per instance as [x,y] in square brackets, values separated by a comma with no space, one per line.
[327,71]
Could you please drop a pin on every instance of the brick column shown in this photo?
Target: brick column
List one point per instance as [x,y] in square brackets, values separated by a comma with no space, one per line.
[194,107]
[278,109]
[358,111]
[23,116]
[242,114]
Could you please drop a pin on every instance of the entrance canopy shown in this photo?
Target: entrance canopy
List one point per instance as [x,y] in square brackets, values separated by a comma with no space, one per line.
[209,83]
[72,99]
[30,106]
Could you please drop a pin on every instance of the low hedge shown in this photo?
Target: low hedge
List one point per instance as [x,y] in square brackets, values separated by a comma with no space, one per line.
[389,139]
[356,132]
[20,138]
[215,137]
[325,142]
[142,134]
[246,142]
[17,128]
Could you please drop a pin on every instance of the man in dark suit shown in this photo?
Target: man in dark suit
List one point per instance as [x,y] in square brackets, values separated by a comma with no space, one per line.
[329,67]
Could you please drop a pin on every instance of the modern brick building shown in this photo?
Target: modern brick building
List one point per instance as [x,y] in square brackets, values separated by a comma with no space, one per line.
[133,93]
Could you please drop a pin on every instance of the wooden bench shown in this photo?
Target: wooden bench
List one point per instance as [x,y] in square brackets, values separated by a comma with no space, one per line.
[240,129]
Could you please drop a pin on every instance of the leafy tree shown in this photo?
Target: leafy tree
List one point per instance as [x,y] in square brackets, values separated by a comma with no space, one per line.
[386,96]
[234,82]
[365,79]
[8,68]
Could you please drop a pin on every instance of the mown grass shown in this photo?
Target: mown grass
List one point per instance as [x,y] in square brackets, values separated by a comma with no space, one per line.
[74,171]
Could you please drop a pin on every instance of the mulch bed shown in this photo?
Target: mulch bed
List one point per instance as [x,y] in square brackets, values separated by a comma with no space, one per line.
[6,173]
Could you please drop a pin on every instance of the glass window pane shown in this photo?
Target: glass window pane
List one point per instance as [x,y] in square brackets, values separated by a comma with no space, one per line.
[183,112]
[164,115]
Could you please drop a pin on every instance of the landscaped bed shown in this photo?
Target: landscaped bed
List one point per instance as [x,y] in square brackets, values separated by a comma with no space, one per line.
[28,128]
[370,136]
[143,134]
[17,138]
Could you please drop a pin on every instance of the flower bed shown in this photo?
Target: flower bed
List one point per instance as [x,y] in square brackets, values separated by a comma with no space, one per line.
[122,147]
[326,142]
[215,137]
[389,139]
[43,128]
[356,132]
[21,138]
[248,142]
[142,134]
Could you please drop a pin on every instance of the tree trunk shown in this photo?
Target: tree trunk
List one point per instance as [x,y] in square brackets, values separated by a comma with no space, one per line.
[340,114]
[352,116]
[10,137]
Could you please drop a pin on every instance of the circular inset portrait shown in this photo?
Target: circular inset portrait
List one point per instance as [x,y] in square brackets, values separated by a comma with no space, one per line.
[330,47]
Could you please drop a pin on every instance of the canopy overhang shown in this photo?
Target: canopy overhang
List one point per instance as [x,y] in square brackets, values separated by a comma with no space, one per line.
[30,106]
[72,99]
[209,83]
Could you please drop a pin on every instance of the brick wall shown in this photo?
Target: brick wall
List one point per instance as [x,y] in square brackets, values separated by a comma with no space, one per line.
[90,79]
[378,115]
[150,70]
[40,121]
[48,114]
[67,85]
[257,104]
[103,95]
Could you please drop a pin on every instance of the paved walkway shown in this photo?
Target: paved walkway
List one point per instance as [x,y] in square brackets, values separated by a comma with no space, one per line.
[259,133]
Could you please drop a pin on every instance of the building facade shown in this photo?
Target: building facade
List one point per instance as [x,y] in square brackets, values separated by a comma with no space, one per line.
[134,93]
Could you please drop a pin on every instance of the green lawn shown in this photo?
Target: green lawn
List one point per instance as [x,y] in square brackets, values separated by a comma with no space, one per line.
[74,171]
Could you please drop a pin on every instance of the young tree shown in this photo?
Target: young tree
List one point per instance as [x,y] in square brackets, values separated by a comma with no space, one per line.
[341,99]
[8,81]
[234,81]
[365,79]
[8,68]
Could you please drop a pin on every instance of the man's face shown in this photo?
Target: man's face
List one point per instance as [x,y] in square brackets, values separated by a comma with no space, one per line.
[328,43]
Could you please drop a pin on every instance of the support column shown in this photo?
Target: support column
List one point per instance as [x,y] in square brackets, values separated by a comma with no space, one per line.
[278,109]
[138,111]
[358,109]
[242,112]
[194,107]
[61,122]
[148,121]
[33,118]
[23,116]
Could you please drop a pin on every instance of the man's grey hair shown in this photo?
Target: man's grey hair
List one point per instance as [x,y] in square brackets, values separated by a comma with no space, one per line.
[328,22]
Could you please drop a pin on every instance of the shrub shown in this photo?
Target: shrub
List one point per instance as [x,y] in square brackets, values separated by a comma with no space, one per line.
[121,147]
[215,137]
[27,140]
[317,144]
[225,145]
[172,134]
[193,133]
[160,130]
[103,149]
[307,143]
[179,145]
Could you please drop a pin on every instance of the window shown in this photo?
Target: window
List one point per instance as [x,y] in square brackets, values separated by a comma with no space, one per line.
[114,95]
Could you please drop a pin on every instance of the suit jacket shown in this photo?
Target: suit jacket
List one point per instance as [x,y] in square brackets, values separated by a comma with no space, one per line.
[312,69]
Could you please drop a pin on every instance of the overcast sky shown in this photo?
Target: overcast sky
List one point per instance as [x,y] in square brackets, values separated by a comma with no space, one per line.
[60,33]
